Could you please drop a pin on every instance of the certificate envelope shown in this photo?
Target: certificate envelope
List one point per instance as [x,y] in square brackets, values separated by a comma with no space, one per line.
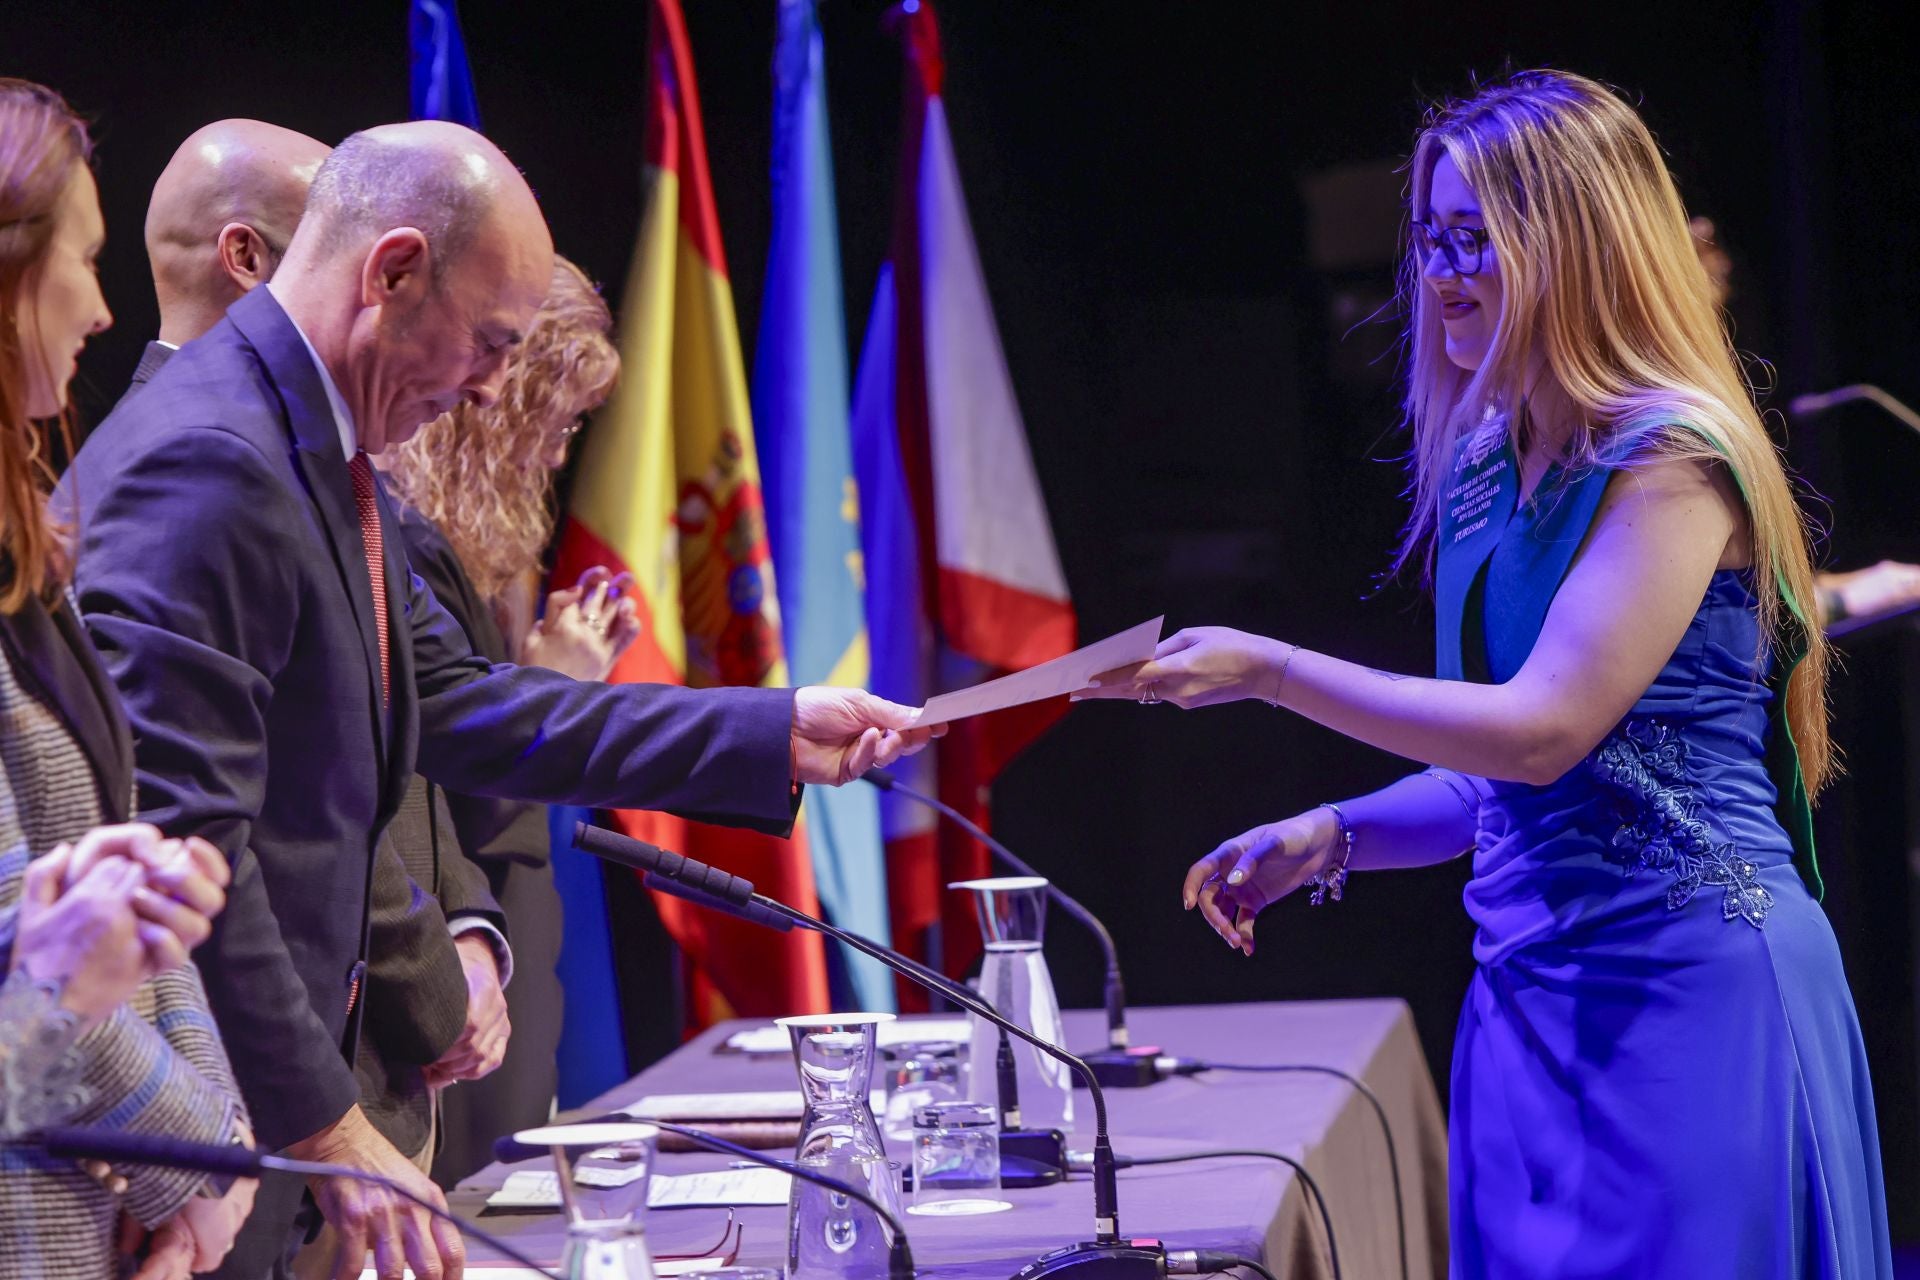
[1061,676]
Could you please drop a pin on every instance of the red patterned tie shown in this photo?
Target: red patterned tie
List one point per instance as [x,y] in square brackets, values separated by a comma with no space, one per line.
[362,472]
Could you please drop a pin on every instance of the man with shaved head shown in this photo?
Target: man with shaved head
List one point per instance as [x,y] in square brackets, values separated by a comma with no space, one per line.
[239,568]
[221,217]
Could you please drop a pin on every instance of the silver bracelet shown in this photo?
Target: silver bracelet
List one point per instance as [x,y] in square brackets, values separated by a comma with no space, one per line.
[1280,685]
[1333,883]
[1441,776]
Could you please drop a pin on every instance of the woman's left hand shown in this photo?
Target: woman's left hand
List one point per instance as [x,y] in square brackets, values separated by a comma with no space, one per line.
[1199,667]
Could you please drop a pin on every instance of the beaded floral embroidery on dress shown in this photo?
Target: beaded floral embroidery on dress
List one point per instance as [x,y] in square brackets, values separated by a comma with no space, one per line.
[1644,764]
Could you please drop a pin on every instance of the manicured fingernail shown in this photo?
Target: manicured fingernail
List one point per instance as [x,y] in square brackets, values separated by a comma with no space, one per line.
[1236,877]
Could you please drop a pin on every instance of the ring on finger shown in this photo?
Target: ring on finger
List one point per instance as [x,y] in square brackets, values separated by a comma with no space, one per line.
[1151,696]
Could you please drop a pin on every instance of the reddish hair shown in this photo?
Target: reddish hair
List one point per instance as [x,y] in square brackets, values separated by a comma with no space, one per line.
[41,140]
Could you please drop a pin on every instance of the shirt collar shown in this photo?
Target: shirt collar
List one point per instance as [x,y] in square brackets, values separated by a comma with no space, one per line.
[342,417]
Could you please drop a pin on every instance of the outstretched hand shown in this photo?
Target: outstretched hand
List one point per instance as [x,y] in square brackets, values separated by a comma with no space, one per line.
[1198,667]
[839,734]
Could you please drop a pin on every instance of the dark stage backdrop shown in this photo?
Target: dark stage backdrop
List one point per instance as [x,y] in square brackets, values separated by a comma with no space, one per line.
[1185,213]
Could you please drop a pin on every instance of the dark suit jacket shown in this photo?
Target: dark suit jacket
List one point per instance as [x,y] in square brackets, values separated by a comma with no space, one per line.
[223,578]
[152,360]
[415,992]
[509,841]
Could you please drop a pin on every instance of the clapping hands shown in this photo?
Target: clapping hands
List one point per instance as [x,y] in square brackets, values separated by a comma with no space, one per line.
[105,913]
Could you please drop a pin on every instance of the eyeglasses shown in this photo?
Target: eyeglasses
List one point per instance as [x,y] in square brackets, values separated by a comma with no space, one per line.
[1463,246]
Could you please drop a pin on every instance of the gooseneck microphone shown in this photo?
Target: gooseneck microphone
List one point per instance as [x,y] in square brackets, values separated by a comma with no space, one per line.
[1028,1157]
[1107,1256]
[119,1147]
[507,1150]
[1118,1066]
[1810,405]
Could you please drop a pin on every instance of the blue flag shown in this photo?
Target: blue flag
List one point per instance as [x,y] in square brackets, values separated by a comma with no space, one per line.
[442,81]
[806,468]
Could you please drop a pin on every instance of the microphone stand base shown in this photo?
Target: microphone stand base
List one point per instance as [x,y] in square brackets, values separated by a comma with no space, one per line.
[1091,1260]
[1134,1068]
[1032,1157]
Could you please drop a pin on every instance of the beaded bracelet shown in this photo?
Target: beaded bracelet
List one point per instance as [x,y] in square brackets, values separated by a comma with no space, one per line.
[1333,883]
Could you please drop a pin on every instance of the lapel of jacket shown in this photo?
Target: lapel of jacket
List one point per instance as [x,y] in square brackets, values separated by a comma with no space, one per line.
[323,470]
[52,655]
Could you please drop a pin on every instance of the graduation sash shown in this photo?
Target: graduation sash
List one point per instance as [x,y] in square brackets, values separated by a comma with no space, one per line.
[1485,628]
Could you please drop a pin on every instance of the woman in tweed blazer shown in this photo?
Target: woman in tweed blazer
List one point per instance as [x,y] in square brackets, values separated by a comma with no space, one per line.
[72,1051]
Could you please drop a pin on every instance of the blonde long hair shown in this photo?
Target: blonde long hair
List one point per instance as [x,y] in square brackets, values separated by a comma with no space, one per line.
[481,475]
[1601,287]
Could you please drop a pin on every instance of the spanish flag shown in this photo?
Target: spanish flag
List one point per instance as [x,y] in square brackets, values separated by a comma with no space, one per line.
[668,489]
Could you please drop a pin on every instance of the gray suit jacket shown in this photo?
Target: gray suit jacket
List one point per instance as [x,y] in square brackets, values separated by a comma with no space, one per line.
[156,1065]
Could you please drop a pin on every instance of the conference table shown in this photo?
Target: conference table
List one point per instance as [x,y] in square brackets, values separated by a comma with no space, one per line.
[1251,1207]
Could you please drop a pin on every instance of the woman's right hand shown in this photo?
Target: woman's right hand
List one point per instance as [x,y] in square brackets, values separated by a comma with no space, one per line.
[1256,869]
[85,904]
[585,628]
[186,886]
[85,937]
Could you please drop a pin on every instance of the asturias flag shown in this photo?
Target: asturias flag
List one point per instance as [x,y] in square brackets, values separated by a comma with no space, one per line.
[668,489]
[963,580]
[806,460]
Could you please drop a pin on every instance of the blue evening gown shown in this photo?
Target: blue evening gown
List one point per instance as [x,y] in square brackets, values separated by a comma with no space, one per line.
[1658,1069]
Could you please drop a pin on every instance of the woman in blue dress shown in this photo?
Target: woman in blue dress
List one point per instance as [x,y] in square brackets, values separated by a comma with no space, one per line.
[1658,1071]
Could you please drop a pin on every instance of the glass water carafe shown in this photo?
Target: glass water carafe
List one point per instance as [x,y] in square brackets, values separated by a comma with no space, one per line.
[1015,980]
[835,1054]
[831,1236]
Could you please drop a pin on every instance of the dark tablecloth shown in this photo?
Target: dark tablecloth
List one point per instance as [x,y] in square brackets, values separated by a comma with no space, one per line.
[1254,1207]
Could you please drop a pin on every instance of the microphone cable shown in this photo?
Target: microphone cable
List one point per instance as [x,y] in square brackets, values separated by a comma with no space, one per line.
[1313,1190]
[1187,1068]
[1206,1262]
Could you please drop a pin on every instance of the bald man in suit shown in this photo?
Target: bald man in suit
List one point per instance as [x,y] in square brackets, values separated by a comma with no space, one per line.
[239,569]
[219,220]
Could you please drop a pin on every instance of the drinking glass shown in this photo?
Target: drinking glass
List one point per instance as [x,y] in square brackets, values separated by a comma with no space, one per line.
[956,1159]
[915,1075]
